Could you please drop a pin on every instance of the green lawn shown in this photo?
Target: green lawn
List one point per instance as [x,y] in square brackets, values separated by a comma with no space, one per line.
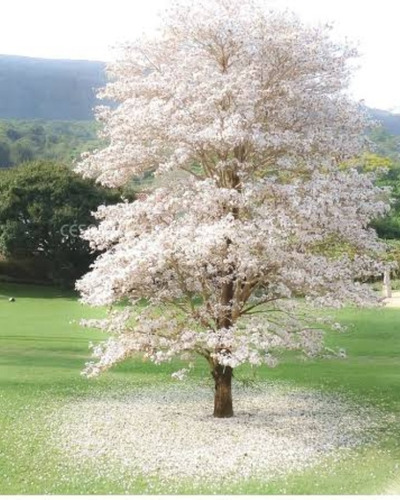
[43,349]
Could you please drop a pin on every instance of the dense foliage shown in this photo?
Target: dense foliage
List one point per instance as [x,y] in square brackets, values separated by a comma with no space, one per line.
[27,140]
[386,155]
[43,208]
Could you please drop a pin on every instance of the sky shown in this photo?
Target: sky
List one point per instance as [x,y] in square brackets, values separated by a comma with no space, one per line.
[88,29]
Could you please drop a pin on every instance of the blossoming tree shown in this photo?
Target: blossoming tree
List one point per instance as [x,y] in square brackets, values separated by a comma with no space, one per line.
[241,114]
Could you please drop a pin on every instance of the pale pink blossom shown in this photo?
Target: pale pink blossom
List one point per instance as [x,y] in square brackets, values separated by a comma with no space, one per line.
[242,115]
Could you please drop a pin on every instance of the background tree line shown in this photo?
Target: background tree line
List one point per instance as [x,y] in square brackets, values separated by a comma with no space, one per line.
[27,140]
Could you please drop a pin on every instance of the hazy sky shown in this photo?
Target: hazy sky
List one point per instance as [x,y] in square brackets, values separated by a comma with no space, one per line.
[87,29]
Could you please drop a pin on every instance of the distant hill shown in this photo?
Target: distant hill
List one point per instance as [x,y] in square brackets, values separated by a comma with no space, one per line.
[58,89]
[389,121]
[49,89]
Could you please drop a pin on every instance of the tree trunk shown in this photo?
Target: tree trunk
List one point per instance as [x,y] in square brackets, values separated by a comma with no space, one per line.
[223,393]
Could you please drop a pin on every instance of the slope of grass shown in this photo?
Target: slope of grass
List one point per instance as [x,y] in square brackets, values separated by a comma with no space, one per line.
[43,349]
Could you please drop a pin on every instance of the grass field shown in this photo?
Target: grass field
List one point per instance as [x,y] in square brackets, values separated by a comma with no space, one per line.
[43,349]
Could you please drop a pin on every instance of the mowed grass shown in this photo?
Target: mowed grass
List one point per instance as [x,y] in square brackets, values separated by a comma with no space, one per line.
[43,350]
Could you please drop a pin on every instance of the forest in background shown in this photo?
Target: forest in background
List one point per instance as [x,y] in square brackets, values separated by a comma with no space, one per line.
[27,140]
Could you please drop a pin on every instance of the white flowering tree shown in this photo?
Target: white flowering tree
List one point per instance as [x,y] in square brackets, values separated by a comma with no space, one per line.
[242,116]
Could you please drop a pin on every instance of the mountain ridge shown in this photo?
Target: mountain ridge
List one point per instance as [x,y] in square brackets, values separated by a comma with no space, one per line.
[65,89]
[50,89]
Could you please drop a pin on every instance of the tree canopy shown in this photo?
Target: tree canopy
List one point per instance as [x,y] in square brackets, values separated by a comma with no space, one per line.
[43,208]
[242,114]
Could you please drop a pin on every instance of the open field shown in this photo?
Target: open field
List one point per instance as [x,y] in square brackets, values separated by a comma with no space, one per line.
[61,433]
